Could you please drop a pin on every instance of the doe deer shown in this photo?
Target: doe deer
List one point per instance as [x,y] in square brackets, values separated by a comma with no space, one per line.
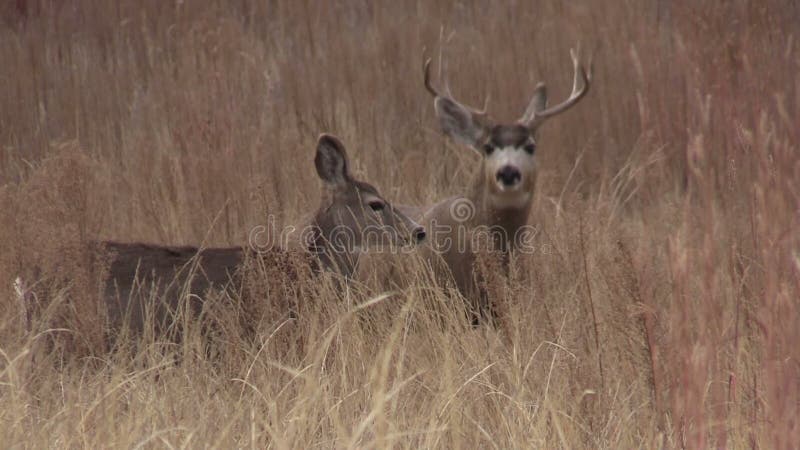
[499,199]
[351,211]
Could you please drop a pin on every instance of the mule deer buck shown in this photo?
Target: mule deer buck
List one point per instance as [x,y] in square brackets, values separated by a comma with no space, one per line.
[350,212]
[499,199]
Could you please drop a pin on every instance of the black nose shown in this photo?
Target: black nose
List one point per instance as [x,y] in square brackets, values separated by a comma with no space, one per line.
[509,176]
[418,234]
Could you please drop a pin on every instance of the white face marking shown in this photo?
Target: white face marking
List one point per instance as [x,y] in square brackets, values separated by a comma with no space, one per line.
[520,194]
[515,157]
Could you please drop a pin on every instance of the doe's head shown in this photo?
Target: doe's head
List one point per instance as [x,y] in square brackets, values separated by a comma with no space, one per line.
[508,150]
[354,214]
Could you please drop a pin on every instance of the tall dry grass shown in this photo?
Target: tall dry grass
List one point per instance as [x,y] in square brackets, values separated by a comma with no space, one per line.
[661,309]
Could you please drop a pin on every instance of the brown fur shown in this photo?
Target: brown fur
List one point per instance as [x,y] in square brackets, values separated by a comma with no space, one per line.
[500,209]
[154,284]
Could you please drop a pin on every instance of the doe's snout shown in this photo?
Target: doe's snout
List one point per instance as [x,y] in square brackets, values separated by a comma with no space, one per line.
[418,234]
[509,176]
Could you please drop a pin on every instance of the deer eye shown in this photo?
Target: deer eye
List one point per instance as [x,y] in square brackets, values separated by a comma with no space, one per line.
[530,148]
[376,205]
[488,149]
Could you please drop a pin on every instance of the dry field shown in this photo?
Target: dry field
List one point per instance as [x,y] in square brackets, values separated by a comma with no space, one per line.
[660,310]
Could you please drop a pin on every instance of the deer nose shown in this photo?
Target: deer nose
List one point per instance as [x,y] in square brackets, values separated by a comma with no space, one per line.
[508,175]
[418,234]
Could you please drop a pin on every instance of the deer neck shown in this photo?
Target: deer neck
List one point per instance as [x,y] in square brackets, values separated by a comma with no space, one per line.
[335,252]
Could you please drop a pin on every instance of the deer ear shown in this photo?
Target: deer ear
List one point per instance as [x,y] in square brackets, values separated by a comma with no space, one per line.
[538,103]
[459,122]
[331,160]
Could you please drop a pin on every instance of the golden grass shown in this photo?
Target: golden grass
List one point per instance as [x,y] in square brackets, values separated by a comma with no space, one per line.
[660,311]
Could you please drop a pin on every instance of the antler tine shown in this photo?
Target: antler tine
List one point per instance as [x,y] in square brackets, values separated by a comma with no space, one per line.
[427,73]
[574,97]
[447,94]
[482,112]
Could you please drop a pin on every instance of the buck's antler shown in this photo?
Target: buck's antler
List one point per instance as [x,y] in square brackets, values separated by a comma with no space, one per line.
[537,113]
[427,76]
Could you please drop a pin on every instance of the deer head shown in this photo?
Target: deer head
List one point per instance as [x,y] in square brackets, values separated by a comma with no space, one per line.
[353,214]
[508,150]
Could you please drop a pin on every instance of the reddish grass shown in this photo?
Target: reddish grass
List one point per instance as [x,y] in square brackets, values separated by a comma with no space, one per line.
[668,204]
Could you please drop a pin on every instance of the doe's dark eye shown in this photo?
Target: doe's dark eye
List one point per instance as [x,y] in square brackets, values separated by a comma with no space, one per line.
[488,149]
[530,148]
[377,206]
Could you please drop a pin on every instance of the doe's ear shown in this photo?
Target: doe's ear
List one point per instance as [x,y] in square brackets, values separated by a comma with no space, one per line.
[331,160]
[459,122]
